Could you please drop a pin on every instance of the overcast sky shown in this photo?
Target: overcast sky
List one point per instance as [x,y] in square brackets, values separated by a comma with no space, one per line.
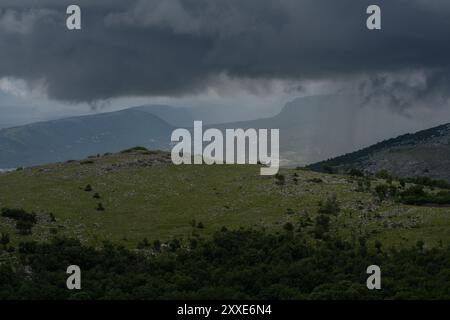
[256,54]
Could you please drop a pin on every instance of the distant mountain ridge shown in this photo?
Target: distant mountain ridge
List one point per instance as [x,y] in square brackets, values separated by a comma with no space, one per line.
[311,129]
[424,153]
[79,137]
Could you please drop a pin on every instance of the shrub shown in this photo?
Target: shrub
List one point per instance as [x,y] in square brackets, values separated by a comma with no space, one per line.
[134,149]
[52,217]
[315,180]
[356,172]
[322,227]
[288,227]
[157,245]
[280,179]
[24,227]
[331,206]
[4,239]
[143,244]
[382,191]
[383,174]
[328,169]
[19,215]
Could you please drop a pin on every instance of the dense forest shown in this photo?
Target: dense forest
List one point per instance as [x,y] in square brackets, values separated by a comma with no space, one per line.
[241,264]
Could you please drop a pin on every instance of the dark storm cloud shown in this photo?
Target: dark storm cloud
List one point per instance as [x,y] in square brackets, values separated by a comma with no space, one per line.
[173,47]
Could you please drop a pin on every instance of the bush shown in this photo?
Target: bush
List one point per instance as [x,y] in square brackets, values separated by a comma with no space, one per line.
[356,172]
[328,169]
[315,180]
[383,174]
[134,149]
[4,239]
[24,227]
[280,179]
[322,227]
[19,215]
[331,206]
[382,191]
[288,227]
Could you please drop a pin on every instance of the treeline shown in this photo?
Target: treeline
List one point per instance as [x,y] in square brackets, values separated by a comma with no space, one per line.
[240,264]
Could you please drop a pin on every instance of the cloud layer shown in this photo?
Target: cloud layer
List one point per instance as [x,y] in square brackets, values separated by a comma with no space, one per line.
[176,47]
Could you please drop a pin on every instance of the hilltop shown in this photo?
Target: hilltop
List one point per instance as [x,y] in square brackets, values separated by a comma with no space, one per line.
[139,194]
[424,153]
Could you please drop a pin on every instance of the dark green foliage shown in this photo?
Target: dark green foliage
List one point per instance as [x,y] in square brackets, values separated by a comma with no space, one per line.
[383,174]
[88,188]
[416,195]
[19,215]
[200,225]
[134,149]
[174,245]
[24,220]
[328,169]
[52,217]
[331,206]
[87,162]
[4,239]
[378,246]
[305,221]
[157,245]
[382,191]
[100,207]
[427,182]
[231,265]
[355,172]
[96,196]
[315,180]
[288,227]
[280,179]
[24,227]
[144,244]
[322,227]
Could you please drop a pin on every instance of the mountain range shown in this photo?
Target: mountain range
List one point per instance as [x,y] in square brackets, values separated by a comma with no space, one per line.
[424,153]
[312,129]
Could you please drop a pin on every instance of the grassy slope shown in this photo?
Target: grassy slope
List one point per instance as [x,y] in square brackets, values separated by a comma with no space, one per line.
[145,196]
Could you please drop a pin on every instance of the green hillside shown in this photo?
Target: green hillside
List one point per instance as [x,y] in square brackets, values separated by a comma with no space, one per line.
[145,196]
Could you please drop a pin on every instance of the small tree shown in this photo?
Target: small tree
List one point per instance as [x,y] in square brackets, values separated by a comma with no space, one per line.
[289,227]
[378,246]
[328,169]
[331,206]
[24,227]
[4,239]
[157,245]
[280,179]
